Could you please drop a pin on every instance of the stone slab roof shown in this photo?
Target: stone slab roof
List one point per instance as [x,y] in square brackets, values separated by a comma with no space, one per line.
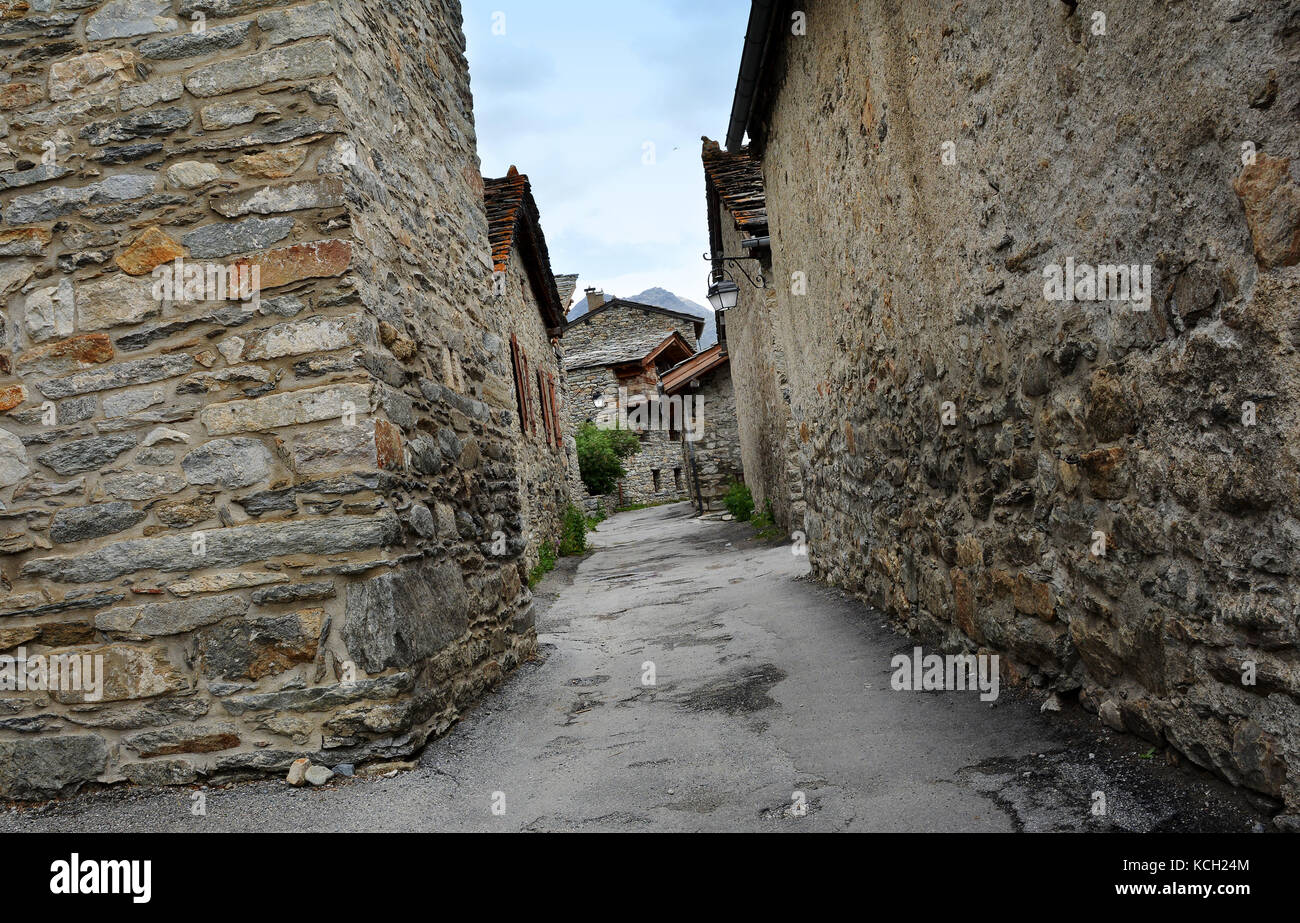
[737,178]
[514,222]
[567,284]
[615,303]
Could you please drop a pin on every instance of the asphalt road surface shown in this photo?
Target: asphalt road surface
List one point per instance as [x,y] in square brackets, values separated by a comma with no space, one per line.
[770,710]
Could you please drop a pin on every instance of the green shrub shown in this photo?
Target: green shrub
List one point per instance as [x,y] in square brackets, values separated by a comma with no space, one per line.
[545,564]
[739,502]
[600,456]
[764,523]
[573,532]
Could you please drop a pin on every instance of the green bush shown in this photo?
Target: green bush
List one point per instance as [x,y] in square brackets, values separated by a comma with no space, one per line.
[573,532]
[739,502]
[764,523]
[600,456]
[545,564]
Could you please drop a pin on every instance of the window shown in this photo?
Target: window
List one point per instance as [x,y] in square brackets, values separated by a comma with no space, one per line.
[655,474]
[677,478]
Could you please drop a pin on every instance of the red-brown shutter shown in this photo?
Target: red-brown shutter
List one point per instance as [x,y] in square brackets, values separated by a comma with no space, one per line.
[555,411]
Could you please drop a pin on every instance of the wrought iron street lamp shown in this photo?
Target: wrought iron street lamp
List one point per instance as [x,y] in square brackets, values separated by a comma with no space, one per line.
[723,290]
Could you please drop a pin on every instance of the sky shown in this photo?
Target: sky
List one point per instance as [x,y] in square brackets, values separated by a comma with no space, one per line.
[574,91]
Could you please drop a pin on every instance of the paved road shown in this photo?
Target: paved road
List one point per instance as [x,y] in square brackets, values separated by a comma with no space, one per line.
[767,684]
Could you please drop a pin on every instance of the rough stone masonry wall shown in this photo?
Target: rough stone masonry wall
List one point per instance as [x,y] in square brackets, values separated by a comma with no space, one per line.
[542,467]
[658,452]
[612,330]
[925,286]
[712,463]
[765,429]
[272,523]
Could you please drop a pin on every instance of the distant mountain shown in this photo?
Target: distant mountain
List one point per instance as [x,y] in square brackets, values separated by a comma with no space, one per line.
[662,298]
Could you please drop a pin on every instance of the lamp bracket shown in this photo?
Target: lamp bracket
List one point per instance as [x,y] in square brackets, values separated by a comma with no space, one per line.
[736,261]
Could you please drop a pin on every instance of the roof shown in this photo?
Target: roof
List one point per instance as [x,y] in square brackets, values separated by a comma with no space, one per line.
[763,42]
[679,376]
[567,286]
[514,224]
[624,303]
[641,349]
[737,179]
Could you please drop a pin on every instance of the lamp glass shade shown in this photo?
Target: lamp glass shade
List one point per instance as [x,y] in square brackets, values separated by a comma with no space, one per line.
[724,295]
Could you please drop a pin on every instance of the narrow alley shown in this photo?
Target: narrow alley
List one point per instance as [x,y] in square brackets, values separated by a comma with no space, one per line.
[767,687]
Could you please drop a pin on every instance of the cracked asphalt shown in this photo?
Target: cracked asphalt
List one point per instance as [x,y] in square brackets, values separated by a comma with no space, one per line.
[766,684]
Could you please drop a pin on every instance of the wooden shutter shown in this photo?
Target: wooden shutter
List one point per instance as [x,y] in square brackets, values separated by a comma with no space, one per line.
[555,411]
[541,399]
[520,366]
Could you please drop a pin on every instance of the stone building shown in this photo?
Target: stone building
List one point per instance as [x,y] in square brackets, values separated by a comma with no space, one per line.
[534,315]
[737,212]
[1097,482]
[710,443]
[261,518]
[615,355]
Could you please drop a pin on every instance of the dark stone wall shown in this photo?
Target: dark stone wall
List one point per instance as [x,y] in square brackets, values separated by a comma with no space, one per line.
[924,167]
[271,520]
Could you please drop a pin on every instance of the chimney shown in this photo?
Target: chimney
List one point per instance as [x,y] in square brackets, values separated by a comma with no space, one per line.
[595,298]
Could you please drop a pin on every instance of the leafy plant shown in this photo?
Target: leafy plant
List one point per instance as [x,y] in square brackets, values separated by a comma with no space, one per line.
[764,523]
[601,453]
[739,502]
[545,564]
[573,532]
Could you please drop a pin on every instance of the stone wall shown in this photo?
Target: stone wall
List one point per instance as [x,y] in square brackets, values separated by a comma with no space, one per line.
[542,465]
[713,463]
[628,333]
[764,427]
[270,517]
[658,451]
[925,287]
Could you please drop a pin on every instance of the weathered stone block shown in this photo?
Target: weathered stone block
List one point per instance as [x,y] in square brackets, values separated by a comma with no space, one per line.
[150,249]
[401,618]
[228,463]
[138,371]
[263,646]
[127,18]
[56,201]
[157,620]
[319,260]
[291,197]
[1272,202]
[129,673]
[33,770]
[87,454]
[95,521]
[196,738]
[96,72]
[217,240]
[223,548]
[321,698]
[297,62]
[290,409]
[218,38]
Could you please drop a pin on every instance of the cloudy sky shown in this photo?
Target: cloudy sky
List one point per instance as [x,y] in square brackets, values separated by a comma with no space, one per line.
[574,91]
